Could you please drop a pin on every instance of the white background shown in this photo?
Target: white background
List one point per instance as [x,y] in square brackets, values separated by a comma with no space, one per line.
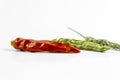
[49,19]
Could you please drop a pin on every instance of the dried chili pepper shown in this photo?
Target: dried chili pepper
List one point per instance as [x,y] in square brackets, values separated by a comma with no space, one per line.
[42,45]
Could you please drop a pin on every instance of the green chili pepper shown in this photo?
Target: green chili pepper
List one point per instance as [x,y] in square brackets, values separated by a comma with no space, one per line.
[84,45]
[99,41]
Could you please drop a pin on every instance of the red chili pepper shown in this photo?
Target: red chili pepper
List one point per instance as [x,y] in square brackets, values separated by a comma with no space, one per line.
[42,45]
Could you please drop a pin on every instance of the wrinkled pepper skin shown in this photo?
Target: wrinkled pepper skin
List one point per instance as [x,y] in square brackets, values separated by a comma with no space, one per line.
[42,45]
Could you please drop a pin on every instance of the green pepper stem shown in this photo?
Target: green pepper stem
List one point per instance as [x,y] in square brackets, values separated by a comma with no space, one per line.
[77,32]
